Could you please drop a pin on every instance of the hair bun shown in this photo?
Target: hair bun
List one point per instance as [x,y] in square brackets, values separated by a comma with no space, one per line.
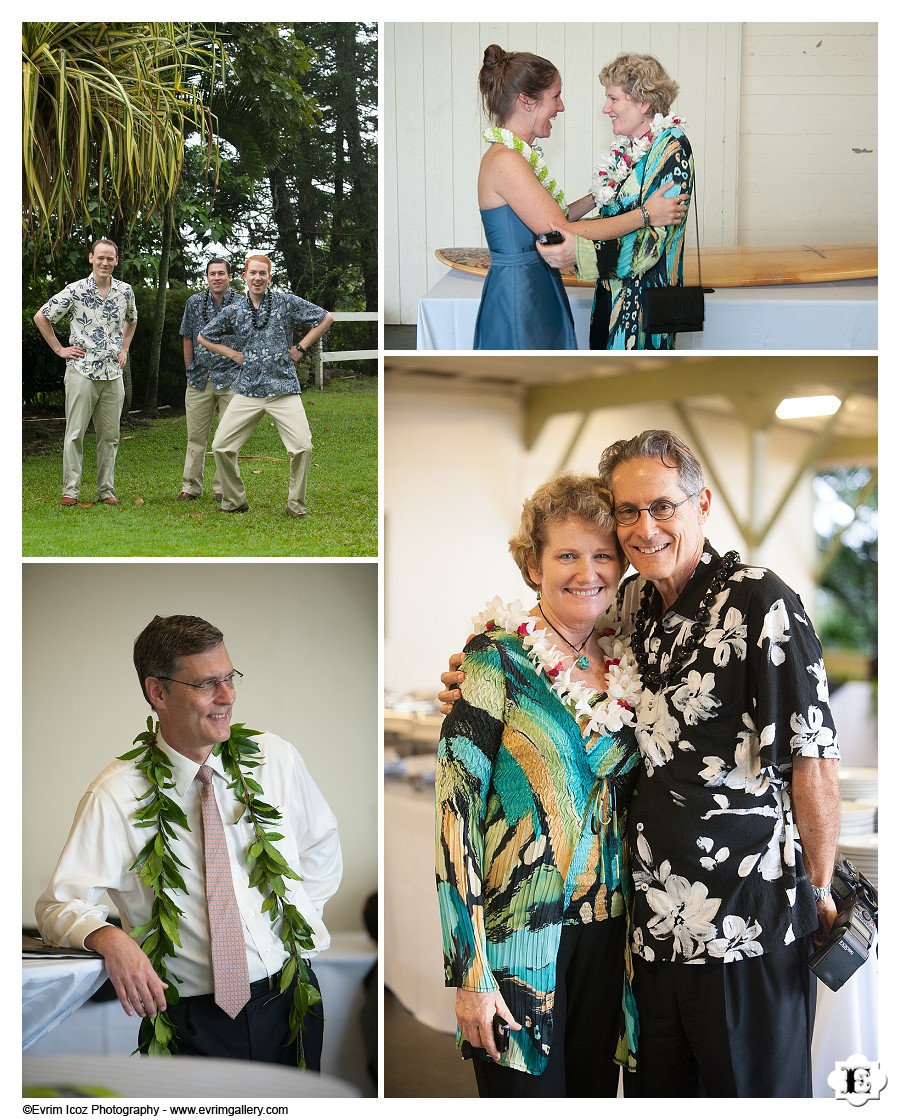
[494,56]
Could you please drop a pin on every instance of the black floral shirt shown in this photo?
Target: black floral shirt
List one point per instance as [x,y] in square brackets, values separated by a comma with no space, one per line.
[96,323]
[716,856]
[199,310]
[267,370]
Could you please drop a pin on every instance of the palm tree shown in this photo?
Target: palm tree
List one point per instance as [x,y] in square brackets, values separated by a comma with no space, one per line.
[106,110]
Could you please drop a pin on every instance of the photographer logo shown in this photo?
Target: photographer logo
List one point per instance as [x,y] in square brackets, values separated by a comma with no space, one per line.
[857,1080]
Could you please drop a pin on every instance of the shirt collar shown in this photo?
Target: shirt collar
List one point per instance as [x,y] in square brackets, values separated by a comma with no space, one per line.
[185,770]
[688,602]
[92,283]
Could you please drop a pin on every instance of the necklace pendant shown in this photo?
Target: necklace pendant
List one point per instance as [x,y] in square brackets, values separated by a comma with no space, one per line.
[582,662]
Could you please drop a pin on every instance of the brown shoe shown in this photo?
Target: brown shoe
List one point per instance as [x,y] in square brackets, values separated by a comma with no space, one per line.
[112,500]
[184,496]
[218,497]
[67,501]
[237,509]
[293,513]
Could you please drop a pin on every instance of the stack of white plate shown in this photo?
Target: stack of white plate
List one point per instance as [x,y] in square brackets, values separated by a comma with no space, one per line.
[859,783]
[858,818]
[863,852]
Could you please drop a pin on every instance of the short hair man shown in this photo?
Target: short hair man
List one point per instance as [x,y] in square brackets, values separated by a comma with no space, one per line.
[209,376]
[266,383]
[102,321]
[188,678]
[734,823]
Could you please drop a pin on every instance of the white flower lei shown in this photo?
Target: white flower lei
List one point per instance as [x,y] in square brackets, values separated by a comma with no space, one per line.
[623,155]
[534,156]
[603,713]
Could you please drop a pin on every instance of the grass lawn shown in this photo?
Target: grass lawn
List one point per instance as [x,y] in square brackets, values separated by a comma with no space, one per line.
[342,490]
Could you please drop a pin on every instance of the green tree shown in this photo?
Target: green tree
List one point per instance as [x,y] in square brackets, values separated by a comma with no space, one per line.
[106,107]
[847,526]
[106,111]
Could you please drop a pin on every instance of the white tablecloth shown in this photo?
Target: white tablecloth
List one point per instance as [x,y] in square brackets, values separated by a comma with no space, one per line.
[54,991]
[846,1021]
[141,1078]
[833,316]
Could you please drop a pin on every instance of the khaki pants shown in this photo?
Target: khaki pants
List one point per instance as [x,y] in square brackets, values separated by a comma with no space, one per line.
[100,401]
[236,427]
[199,408]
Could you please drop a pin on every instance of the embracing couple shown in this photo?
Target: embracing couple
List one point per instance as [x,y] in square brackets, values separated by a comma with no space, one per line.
[642,188]
[638,803]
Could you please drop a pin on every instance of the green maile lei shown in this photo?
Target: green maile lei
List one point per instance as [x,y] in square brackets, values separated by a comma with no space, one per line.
[157,868]
[535,158]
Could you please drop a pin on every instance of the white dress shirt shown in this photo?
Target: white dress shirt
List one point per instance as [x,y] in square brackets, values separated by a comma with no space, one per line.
[104,842]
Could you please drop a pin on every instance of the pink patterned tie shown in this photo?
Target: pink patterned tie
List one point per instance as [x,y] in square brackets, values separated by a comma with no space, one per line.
[226,931]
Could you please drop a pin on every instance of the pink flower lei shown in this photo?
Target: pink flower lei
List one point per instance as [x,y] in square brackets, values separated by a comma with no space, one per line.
[603,713]
[624,154]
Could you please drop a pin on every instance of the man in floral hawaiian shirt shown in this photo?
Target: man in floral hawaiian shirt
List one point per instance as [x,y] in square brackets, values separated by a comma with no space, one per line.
[102,321]
[739,770]
[734,824]
[266,382]
[209,376]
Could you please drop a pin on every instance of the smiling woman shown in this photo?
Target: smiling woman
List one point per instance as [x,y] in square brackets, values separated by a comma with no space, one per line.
[523,303]
[534,777]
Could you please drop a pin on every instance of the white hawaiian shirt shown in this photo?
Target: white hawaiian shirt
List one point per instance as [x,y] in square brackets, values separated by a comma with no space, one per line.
[716,856]
[267,370]
[96,323]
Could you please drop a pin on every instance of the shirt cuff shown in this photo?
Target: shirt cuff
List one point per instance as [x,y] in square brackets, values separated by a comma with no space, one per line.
[586,259]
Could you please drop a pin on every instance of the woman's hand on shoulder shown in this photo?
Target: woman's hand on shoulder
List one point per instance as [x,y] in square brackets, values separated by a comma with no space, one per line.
[475,1013]
[667,211]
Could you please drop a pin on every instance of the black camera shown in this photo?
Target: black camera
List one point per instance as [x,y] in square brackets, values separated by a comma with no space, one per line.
[501,1040]
[847,946]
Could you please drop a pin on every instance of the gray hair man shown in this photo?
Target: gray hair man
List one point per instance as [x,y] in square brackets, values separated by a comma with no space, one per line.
[734,822]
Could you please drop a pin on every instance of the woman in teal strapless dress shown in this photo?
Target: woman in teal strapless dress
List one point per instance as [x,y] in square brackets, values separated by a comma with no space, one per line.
[523,302]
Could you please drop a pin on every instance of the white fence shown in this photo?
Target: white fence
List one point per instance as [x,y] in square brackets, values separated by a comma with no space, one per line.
[322,359]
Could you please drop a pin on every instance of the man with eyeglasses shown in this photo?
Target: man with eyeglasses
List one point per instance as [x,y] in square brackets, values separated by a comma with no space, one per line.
[734,823]
[188,679]
[209,376]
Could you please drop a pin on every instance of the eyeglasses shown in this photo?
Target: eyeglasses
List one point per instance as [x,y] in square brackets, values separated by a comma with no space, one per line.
[660,510]
[210,687]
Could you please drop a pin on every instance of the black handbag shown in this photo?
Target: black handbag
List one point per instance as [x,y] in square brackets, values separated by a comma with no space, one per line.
[676,309]
[670,310]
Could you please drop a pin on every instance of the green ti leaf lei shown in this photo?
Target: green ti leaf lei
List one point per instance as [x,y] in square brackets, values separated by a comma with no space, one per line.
[157,868]
[535,158]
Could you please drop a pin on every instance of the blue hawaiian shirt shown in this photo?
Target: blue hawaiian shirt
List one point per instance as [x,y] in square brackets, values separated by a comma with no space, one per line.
[267,370]
[199,310]
[97,324]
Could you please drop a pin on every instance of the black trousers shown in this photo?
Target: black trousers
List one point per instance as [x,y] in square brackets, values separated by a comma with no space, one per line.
[586,1016]
[259,1033]
[742,1029]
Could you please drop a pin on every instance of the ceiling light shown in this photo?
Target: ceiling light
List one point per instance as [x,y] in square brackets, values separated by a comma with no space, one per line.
[793,408]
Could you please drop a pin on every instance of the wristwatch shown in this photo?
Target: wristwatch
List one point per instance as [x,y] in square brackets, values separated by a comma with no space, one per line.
[821,893]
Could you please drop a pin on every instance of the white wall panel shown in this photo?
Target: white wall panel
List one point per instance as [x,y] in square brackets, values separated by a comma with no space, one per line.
[808,133]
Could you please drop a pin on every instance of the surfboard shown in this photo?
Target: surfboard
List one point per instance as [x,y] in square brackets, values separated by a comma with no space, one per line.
[748,266]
